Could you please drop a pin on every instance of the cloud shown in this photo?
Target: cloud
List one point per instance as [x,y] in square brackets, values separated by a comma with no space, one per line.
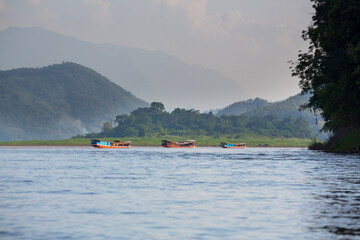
[42,12]
[26,13]
[250,41]
[196,10]
[229,20]
[99,10]
[3,6]
[218,23]
[35,2]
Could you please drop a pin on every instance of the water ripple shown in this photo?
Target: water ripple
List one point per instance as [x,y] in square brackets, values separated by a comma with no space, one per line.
[158,193]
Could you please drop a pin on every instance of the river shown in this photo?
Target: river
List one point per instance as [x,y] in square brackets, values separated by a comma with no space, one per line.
[160,193]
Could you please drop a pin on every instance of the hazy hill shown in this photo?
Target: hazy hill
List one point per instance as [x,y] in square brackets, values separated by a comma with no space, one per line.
[242,107]
[58,101]
[281,109]
[150,75]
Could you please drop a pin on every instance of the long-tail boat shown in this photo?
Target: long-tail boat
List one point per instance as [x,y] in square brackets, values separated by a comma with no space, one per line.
[232,145]
[182,144]
[105,144]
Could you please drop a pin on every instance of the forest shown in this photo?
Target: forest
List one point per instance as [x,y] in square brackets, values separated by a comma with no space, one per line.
[155,121]
[281,109]
[330,70]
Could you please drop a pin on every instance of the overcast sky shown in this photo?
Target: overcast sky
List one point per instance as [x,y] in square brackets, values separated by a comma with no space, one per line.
[250,41]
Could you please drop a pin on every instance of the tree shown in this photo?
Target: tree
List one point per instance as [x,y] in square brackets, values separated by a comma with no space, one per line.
[131,132]
[330,69]
[121,119]
[158,106]
[147,122]
[107,128]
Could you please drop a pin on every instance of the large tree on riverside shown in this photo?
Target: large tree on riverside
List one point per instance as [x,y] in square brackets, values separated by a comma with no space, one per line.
[330,69]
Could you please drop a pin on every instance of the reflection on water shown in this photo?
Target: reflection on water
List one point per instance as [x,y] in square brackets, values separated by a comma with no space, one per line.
[338,197]
[158,193]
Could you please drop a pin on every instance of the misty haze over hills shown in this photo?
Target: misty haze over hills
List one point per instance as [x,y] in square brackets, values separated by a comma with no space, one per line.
[63,100]
[150,75]
[280,109]
[58,101]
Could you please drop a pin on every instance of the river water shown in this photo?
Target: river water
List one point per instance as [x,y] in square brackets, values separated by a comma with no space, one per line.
[159,193]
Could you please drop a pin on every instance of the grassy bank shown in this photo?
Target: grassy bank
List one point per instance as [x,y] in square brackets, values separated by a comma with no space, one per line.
[156,141]
[346,143]
[350,143]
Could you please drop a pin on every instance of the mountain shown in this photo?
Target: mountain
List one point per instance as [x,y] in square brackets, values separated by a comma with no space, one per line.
[150,75]
[281,109]
[243,107]
[58,101]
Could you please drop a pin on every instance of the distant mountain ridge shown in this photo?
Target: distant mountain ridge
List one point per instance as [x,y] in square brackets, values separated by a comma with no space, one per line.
[281,109]
[150,75]
[58,101]
[242,107]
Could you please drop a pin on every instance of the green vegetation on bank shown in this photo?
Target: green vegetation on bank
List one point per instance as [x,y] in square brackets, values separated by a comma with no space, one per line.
[349,143]
[281,109]
[148,126]
[156,141]
[330,70]
[154,121]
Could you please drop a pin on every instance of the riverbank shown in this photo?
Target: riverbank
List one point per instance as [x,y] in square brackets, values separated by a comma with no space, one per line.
[200,141]
[348,142]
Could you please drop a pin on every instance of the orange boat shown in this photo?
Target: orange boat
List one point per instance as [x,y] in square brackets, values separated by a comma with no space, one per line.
[230,145]
[104,144]
[182,144]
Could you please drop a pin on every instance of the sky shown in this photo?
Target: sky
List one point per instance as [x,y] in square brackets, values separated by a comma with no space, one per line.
[250,41]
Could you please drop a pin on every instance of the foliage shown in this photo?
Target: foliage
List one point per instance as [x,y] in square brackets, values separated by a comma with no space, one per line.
[281,109]
[155,121]
[317,145]
[243,107]
[58,101]
[330,69]
[350,143]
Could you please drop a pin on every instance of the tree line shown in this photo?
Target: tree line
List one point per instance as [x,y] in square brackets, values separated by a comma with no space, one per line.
[330,71]
[155,121]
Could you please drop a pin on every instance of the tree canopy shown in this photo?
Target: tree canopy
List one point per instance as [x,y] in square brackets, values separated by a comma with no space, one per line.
[330,69]
[281,109]
[155,121]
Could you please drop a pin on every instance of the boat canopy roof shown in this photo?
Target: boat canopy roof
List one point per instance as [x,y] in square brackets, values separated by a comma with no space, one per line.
[189,141]
[224,143]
